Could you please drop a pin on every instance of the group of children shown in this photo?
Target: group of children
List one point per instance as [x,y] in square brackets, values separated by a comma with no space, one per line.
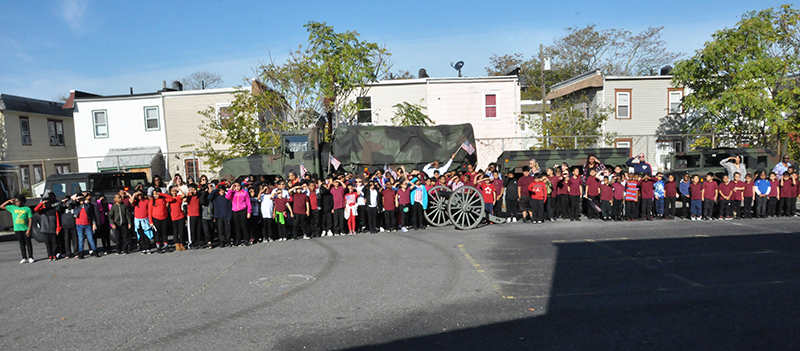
[618,195]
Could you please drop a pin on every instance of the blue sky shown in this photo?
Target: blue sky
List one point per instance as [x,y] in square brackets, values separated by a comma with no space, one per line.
[105,47]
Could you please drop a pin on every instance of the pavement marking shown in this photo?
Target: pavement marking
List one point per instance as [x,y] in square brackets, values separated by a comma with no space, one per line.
[481,271]
[704,287]
[176,305]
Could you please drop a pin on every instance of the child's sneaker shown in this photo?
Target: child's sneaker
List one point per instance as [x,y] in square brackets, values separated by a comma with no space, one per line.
[404,230]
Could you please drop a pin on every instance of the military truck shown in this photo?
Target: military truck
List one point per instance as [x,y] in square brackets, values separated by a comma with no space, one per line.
[704,160]
[513,161]
[357,148]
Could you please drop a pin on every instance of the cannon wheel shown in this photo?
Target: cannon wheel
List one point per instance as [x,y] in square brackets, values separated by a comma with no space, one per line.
[436,214]
[466,208]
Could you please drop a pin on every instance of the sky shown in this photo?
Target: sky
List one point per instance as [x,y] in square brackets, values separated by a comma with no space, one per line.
[50,47]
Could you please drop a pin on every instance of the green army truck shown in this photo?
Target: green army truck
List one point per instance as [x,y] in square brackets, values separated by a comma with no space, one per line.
[704,160]
[357,148]
[513,161]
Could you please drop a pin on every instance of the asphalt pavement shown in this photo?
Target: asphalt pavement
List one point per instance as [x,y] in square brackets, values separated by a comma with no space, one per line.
[589,285]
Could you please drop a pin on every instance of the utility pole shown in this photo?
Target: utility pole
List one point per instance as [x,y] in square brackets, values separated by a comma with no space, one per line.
[543,109]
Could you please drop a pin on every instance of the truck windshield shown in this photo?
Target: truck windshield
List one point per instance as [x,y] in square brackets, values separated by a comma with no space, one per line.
[713,160]
[687,161]
[295,143]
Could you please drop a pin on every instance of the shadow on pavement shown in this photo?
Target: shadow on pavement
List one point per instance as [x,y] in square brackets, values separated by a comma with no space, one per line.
[717,293]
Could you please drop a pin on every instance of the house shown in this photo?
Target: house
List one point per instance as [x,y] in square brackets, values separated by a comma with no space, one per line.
[646,112]
[183,122]
[490,104]
[106,126]
[36,136]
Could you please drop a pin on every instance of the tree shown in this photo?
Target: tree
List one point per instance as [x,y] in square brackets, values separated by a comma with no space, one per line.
[342,66]
[743,84]
[401,74]
[202,80]
[247,127]
[61,97]
[408,114]
[567,119]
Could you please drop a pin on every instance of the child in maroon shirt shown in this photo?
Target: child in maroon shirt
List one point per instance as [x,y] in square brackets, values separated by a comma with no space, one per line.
[574,189]
[593,194]
[619,197]
[300,208]
[710,188]
[670,196]
[606,198]
[726,189]
[648,194]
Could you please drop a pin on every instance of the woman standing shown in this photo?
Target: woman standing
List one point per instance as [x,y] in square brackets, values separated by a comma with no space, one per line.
[734,164]
[240,204]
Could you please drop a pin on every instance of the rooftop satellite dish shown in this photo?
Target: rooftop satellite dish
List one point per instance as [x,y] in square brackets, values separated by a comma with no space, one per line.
[458,66]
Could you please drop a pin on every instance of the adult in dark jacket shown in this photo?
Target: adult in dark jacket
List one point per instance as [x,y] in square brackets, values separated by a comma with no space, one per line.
[642,167]
[120,218]
[206,212]
[511,195]
[48,223]
[222,214]
[373,203]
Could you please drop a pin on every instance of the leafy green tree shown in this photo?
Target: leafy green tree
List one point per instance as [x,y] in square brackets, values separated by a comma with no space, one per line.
[408,114]
[400,74]
[744,83]
[568,119]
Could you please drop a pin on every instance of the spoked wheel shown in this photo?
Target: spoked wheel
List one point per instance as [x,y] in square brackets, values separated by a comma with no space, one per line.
[436,214]
[466,208]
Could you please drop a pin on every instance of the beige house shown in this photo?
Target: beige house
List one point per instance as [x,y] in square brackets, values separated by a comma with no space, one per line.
[37,136]
[182,122]
[646,112]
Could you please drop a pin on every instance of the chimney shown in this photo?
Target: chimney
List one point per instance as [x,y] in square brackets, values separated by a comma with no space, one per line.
[131,90]
[177,85]
[164,84]
[422,73]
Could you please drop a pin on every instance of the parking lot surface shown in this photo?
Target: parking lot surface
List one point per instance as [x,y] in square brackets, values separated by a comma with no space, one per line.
[674,285]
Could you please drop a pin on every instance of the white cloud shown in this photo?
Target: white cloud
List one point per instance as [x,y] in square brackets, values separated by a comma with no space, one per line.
[75,14]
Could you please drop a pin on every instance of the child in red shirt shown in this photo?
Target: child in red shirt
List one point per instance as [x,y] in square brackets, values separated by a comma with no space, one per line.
[538,191]
[489,194]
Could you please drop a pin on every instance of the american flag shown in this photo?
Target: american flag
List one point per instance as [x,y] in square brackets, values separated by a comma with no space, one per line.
[387,169]
[335,162]
[468,147]
[303,170]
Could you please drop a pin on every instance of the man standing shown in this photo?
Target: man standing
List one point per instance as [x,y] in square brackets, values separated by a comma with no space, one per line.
[782,166]
[434,166]
[641,167]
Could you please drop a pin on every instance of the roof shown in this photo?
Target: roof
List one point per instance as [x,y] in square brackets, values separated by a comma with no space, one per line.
[443,80]
[592,79]
[29,105]
[129,157]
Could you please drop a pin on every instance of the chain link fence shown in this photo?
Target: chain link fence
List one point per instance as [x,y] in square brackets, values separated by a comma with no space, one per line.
[656,148]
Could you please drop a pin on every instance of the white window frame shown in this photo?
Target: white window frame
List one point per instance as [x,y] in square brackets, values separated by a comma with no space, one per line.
[670,101]
[218,106]
[38,173]
[364,109]
[158,119]
[623,144]
[25,172]
[25,135]
[485,106]
[55,129]
[95,124]
[61,168]
[617,94]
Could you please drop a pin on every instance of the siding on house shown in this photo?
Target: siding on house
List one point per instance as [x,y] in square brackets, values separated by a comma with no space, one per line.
[649,103]
[183,125]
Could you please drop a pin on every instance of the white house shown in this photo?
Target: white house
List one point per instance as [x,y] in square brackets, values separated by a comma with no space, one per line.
[646,112]
[103,123]
[490,104]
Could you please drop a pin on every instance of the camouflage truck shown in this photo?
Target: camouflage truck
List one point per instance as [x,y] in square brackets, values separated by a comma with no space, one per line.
[513,161]
[706,160]
[358,148]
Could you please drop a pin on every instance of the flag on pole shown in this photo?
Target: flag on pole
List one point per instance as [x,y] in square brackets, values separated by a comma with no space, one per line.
[335,162]
[468,147]
[387,169]
[303,171]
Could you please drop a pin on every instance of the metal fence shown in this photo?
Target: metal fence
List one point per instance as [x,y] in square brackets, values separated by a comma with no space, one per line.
[656,147]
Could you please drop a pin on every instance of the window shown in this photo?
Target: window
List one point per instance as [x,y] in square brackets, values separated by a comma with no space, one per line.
[223,111]
[62,168]
[364,109]
[675,98]
[100,123]
[60,189]
[25,176]
[151,118]
[624,143]
[25,130]
[623,103]
[491,105]
[56,130]
[191,168]
[38,174]
[76,187]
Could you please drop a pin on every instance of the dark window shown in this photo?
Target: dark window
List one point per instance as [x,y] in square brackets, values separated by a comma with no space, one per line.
[56,130]
[687,161]
[25,130]
[364,109]
[713,160]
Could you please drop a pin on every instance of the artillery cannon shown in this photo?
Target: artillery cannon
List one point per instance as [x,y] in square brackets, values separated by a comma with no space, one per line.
[463,207]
